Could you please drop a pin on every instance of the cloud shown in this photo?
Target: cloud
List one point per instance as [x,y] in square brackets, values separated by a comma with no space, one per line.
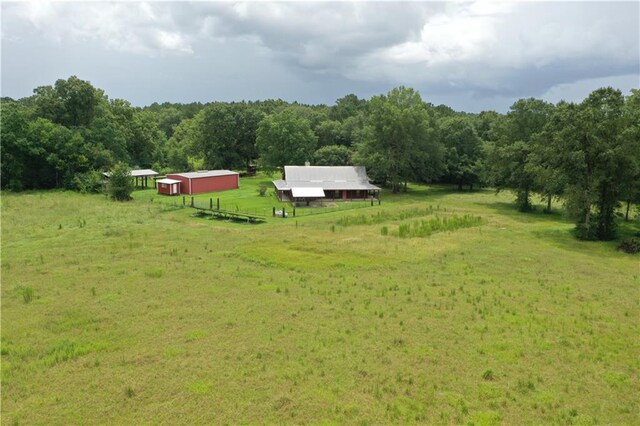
[481,48]
[140,28]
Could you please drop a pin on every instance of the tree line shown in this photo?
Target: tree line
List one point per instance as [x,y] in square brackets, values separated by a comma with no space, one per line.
[587,153]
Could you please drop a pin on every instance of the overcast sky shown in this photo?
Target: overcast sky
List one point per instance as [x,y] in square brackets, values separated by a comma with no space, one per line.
[472,56]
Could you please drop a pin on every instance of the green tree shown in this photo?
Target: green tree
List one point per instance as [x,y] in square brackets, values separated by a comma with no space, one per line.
[145,140]
[630,191]
[510,155]
[181,145]
[589,147]
[399,142]
[332,155]
[226,134]
[285,139]
[347,106]
[71,103]
[329,132]
[16,152]
[464,152]
[120,184]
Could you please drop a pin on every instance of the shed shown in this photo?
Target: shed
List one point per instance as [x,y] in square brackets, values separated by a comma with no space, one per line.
[206,181]
[168,186]
[141,174]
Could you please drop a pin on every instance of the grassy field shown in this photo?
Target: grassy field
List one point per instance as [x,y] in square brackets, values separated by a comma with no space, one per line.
[129,313]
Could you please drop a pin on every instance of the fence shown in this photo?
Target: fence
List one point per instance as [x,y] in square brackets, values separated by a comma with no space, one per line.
[282,211]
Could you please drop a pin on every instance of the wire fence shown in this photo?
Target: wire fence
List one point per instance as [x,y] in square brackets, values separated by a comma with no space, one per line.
[281,211]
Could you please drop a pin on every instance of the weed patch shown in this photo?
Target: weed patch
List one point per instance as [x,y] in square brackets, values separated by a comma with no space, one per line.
[425,228]
[384,216]
[67,350]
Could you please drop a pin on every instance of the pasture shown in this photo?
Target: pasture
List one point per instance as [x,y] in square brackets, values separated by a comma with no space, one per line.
[129,313]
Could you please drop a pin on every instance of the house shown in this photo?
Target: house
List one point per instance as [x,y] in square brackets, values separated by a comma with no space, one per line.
[205,181]
[306,183]
[168,186]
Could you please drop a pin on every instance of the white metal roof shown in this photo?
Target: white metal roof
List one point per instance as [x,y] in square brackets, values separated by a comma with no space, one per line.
[326,177]
[143,172]
[307,192]
[204,173]
[167,180]
[137,173]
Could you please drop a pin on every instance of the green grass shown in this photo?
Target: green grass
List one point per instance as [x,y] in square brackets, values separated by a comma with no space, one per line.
[140,313]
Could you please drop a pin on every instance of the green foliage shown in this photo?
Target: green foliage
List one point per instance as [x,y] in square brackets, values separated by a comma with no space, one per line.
[285,139]
[590,150]
[89,182]
[425,228]
[384,216]
[332,155]
[631,246]
[510,156]
[120,185]
[463,151]
[226,134]
[585,155]
[27,294]
[488,375]
[399,142]
[66,350]
[70,103]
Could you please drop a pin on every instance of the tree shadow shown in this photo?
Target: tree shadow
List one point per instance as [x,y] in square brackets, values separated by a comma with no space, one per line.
[536,215]
[562,235]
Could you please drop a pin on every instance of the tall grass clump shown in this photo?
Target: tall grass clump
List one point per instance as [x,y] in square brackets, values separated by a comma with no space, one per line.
[27,294]
[383,216]
[425,228]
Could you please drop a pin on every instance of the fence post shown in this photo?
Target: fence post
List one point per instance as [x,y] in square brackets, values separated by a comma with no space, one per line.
[378,201]
[183,201]
[273,213]
[284,213]
[294,212]
[210,203]
[218,203]
[371,201]
[192,202]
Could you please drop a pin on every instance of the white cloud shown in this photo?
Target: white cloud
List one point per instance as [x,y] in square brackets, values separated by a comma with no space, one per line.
[128,27]
[484,48]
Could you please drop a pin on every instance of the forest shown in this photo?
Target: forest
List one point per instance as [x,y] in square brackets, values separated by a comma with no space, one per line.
[585,154]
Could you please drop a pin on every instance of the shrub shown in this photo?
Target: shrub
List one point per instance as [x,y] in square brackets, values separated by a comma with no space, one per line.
[262,190]
[90,182]
[631,246]
[120,184]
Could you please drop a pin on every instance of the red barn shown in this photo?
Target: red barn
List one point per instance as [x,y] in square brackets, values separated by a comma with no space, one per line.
[206,181]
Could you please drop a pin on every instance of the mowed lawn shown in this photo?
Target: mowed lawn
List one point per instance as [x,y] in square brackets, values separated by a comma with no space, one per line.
[130,313]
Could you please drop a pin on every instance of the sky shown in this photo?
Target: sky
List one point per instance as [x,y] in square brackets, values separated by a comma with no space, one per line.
[471,56]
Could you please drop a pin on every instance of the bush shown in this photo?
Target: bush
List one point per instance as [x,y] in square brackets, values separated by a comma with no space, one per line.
[262,190]
[631,246]
[90,182]
[120,184]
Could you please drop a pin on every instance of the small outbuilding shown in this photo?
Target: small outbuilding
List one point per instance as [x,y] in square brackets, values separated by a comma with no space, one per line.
[206,181]
[168,186]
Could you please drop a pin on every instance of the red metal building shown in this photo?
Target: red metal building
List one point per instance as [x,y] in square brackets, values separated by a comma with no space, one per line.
[206,181]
